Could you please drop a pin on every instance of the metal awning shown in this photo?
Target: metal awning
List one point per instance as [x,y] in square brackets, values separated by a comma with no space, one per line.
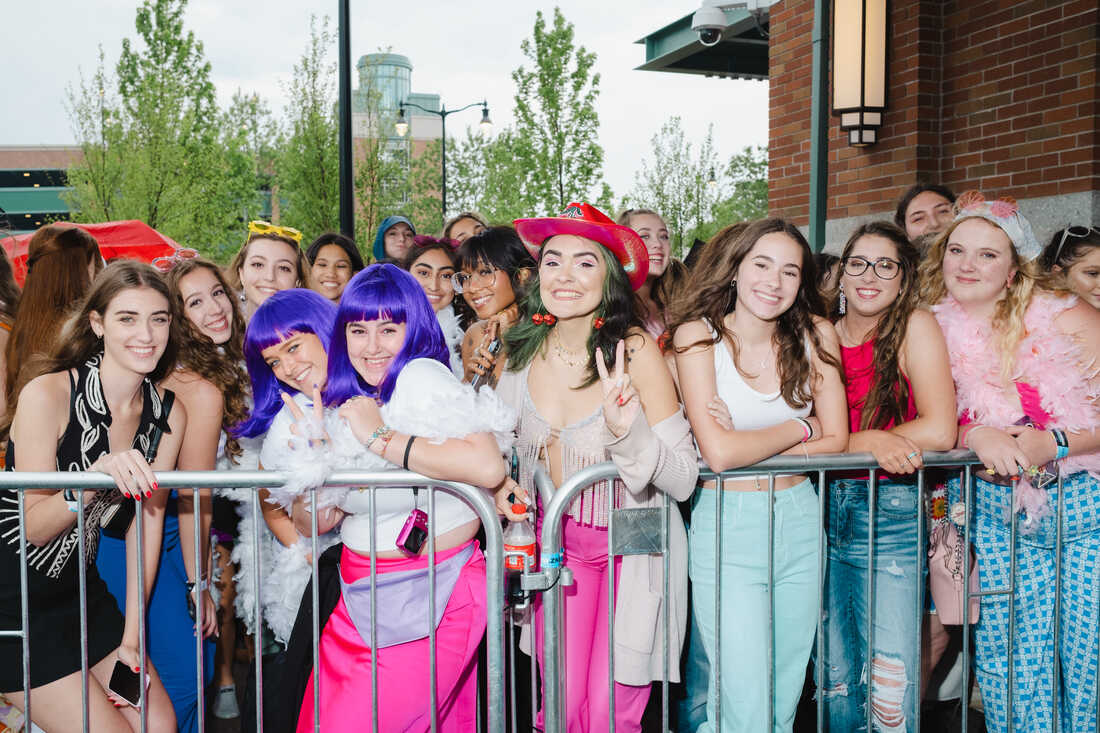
[741,54]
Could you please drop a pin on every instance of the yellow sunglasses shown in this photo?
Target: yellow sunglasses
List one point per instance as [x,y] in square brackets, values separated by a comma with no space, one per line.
[266,227]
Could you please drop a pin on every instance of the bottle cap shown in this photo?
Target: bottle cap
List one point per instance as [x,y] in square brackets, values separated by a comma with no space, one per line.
[519,508]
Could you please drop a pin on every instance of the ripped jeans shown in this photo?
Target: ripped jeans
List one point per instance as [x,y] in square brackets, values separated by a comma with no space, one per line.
[895,667]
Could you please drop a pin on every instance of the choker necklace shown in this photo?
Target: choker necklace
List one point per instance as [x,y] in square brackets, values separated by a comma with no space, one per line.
[564,353]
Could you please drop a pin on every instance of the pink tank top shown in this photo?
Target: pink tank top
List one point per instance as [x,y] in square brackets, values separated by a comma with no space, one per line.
[858,364]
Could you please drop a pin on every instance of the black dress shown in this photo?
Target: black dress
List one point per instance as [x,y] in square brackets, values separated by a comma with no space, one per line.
[52,578]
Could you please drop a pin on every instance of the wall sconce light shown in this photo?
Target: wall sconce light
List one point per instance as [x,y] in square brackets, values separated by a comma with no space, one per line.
[859,68]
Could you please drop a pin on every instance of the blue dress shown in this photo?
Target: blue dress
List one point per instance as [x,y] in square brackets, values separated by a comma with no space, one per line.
[171,631]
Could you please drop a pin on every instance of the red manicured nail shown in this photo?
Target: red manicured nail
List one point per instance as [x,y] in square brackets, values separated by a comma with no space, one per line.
[156,485]
[148,494]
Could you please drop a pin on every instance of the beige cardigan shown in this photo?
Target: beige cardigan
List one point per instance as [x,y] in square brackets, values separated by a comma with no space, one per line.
[650,460]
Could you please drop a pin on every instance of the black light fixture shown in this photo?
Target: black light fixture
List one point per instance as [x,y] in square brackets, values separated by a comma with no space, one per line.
[859,68]
[402,124]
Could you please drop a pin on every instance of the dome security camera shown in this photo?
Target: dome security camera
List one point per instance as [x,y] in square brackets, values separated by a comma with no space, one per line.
[709,21]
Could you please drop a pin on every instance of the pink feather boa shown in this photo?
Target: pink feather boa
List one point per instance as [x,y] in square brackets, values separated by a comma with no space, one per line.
[1046,358]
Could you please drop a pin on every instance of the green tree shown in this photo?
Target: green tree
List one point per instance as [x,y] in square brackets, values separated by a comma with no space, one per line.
[308,166]
[746,189]
[153,149]
[557,126]
[677,182]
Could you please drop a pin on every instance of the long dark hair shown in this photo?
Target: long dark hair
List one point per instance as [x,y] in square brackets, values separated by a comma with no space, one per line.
[887,400]
[77,342]
[523,340]
[57,278]
[709,296]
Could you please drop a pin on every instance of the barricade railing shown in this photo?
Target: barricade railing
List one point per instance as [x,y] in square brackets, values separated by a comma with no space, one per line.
[372,481]
[554,573]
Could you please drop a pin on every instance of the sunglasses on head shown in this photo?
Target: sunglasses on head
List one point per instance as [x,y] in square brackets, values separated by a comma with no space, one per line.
[165,264]
[1077,232]
[266,227]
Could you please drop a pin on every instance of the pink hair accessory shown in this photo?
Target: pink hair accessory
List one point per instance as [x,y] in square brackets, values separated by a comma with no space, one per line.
[1004,213]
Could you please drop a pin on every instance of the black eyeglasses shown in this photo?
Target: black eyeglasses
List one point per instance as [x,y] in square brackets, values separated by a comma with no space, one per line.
[1077,232]
[884,267]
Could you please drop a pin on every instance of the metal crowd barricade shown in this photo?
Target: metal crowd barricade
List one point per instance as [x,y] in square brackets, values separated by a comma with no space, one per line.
[374,481]
[555,573]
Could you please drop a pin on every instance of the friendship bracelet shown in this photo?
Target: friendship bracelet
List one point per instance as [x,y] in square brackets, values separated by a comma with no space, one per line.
[385,437]
[1062,442]
[408,447]
[70,500]
[378,433]
[967,430]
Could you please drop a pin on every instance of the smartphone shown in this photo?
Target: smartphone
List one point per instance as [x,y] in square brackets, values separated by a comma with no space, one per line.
[124,683]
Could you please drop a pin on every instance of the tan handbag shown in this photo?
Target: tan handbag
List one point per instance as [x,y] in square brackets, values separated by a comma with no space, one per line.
[945,574]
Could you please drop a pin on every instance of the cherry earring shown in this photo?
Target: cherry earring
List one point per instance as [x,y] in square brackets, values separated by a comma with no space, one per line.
[597,324]
[543,319]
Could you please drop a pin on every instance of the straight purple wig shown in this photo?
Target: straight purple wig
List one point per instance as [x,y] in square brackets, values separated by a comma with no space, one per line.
[382,291]
[284,314]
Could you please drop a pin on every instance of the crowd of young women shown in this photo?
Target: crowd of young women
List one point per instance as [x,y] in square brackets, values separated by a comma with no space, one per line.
[585,341]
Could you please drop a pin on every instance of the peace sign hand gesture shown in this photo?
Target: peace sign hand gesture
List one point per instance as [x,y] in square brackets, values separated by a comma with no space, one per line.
[310,429]
[620,400]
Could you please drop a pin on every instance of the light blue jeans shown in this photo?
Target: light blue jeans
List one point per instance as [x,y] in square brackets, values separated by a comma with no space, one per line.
[895,620]
[748,599]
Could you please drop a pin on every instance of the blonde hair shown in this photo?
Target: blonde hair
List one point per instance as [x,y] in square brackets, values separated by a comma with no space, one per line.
[1008,315]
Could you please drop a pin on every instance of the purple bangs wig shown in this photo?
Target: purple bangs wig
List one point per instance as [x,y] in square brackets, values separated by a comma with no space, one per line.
[382,291]
[284,314]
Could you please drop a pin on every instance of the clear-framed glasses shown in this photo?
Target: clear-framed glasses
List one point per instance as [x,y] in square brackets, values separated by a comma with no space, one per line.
[884,267]
[1077,232]
[484,277]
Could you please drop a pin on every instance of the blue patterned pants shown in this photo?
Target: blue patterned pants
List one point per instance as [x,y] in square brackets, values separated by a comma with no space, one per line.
[1036,652]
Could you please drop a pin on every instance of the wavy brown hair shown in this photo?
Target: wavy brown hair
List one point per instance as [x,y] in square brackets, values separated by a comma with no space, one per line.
[219,365]
[57,278]
[887,400]
[710,296]
[76,342]
[1008,314]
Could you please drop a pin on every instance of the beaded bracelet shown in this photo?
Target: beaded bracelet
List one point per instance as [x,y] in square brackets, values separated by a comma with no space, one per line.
[1062,444]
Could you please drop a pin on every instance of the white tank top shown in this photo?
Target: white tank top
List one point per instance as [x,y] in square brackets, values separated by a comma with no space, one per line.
[749,408]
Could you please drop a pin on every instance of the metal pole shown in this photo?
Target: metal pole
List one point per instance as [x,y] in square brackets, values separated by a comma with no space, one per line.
[443,119]
[819,127]
[347,201]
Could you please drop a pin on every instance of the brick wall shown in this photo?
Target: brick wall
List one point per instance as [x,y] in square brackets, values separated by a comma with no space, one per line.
[996,94]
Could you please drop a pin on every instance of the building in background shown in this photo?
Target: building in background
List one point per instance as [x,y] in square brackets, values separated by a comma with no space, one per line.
[997,96]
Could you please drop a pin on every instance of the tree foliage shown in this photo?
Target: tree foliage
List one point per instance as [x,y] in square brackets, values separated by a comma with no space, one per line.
[695,193]
[308,166]
[152,148]
[557,126]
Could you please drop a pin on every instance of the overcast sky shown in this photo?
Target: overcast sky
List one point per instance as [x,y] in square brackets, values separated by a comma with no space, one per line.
[463,51]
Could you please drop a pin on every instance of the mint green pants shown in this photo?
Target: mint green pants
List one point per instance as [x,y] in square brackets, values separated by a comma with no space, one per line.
[747,601]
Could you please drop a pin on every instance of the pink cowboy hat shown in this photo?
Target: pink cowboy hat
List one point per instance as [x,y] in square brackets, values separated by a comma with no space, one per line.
[584,220]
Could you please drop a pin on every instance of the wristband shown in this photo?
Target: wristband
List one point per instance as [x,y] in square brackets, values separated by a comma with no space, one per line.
[71,501]
[805,427]
[408,447]
[1062,443]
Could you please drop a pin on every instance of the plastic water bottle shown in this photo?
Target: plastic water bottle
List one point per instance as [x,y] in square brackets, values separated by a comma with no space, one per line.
[519,536]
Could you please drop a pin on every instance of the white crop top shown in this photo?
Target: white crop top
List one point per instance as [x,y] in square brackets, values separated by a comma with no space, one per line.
[429,402]
[749,408]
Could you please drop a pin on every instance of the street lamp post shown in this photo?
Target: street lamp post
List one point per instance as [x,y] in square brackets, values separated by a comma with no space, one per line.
[402,127]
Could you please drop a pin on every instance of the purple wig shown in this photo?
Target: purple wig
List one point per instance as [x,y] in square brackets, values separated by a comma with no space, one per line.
[284,314]
[376,292]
